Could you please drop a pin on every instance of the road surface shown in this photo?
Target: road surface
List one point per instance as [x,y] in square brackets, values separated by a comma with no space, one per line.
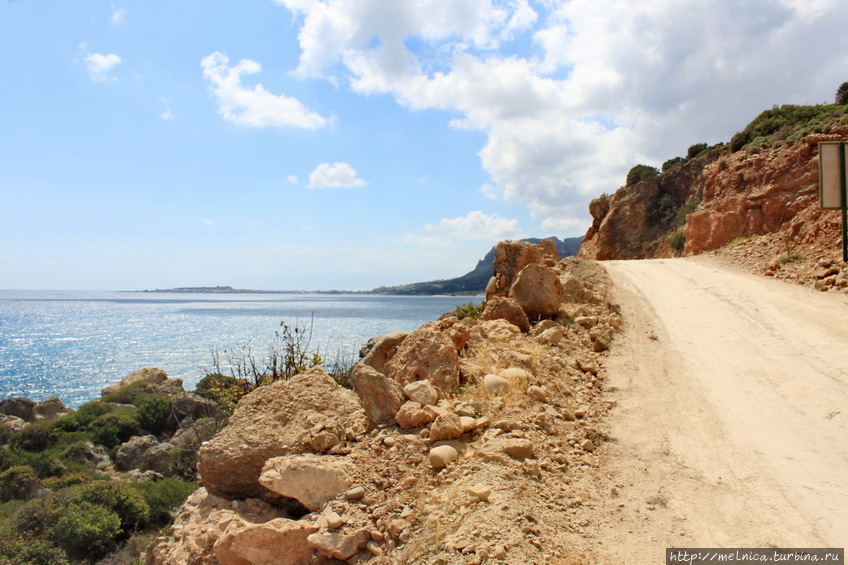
[731,428]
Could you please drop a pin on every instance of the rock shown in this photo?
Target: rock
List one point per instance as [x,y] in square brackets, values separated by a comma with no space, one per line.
[278,542]
[517,448]
[496,385]
[426,355]
[468,423]
[310,479]
[12,423]
[413,415]
[380,396]
[380,350]
[50,409]
[481,492]
[336,545]
[551,337]
[20,407]
[537,393]
[334,521]
[138,452]
[495,330]
[446,426]
[282,418]
[189,407]
[422,392]
[513,256]
[441,456]
[538,291]
[502,308]
[149,376]
[587,445]
[356,493]
[518,378]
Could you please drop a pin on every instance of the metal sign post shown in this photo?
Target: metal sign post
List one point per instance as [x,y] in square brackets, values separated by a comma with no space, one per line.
[833,184]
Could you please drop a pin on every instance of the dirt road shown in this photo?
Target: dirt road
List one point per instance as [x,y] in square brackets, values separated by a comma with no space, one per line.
[732,422]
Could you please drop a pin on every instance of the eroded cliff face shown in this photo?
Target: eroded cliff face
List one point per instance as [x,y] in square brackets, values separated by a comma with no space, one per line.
[738,195]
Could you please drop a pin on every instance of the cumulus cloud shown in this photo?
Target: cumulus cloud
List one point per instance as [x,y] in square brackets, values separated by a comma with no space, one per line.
[99,65]
[571,94]
[254,107]
[477,226]
[118,16]
[337,175]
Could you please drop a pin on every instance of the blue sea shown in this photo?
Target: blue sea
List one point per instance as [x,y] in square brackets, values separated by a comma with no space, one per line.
[74,344]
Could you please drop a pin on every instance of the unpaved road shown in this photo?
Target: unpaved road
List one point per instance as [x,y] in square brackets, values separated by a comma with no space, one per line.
[732,422]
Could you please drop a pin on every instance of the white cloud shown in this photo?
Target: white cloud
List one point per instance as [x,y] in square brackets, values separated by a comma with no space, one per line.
[596,87]
[477,226]
[99,65]
[293,179]
[337,175]
[118,16]
[254,107]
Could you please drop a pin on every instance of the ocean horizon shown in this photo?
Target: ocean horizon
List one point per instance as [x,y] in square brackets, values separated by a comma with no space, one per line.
[72,344]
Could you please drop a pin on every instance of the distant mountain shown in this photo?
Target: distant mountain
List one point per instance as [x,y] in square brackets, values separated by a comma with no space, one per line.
[474,282]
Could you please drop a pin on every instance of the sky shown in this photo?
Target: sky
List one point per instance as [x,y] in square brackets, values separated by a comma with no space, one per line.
[349,144]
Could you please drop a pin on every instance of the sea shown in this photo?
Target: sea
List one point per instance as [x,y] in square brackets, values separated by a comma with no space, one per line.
[74,344]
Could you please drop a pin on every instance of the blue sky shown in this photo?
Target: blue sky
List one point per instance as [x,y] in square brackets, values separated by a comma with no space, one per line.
[338,144]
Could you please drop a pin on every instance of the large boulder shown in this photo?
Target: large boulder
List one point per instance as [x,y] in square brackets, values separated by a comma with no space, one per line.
[51,409]
[23,408]
[380,396]
[278,542]
[426,354]
[312,480]
[538,291]
[511,257]
[502,308]
[379,350]
[308,413]
[145,453]
[149,376]
[189,407]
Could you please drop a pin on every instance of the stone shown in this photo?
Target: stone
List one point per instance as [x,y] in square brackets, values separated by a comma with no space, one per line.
[503,308]
[148,375]
[356,493]
[516,448]
[90,455]
[538,291]
[413,415]
[446,426]
[380,396]
[481,492]
[20,407]
[279,419]
[336,545]
[334,521]
[518,378]
[12,423]
[310,479]
[422,392]
[277,542]
[468,423]
[380,350]
[145,453]
[50,409]
[551,337]
[188,407]
[537,393]
[426,354]
[587,445]
[441,456]
[496,385]
[513,256]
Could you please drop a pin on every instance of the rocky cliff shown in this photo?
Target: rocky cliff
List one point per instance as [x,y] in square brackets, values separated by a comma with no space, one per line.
[730,195]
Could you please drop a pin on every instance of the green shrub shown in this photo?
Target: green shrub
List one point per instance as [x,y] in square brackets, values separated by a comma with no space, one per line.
[164,496]
[116,427]
[672,164]
[120,498]
[131,394]
[695,150]
[677,241]
[153,413]
[469,310]
[641,173]
[30,550]
[68,480]
[35,437]
[83,417]
[86,529]
[36,516]
[683,211]
[18,483]
[842,94]
[661,211]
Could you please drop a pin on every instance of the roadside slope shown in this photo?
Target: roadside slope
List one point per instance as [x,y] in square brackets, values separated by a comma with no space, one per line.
[732,419]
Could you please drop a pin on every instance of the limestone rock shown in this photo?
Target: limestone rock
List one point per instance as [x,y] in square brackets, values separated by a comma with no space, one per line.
[283,418]
[149,376]
[50,409]
[511,257]
[538,291]
[380,396]
[551,337]
[337,545]
[187,407]
[413,415]
[379,350]
[422,392]
[446,426]
[146,453]
[278,542]
[20,407]
[502,308]
[310,479]
[496,385]
[426,354]
[90,455]
[12,423]
[441,456]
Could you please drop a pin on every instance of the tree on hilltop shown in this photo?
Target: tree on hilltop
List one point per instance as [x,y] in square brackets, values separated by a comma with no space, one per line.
[842,94]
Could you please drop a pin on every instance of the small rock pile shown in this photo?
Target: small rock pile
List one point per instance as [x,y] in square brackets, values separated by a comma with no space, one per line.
[456,445]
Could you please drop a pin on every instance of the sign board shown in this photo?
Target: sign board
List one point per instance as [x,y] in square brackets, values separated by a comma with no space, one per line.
[830,175]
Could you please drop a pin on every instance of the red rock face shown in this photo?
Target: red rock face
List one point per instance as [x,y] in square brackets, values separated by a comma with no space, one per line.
[741,194]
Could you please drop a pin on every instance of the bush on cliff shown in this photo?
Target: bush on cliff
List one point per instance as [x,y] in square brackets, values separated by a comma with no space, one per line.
[785,122]
[641,173]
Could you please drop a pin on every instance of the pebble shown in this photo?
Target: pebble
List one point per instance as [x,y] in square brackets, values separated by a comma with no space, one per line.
[499,552]
[481,492]
[496,385]
[374,548]
[335,521]
[587,445]
[537,393]
[355,493]
[442,455]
